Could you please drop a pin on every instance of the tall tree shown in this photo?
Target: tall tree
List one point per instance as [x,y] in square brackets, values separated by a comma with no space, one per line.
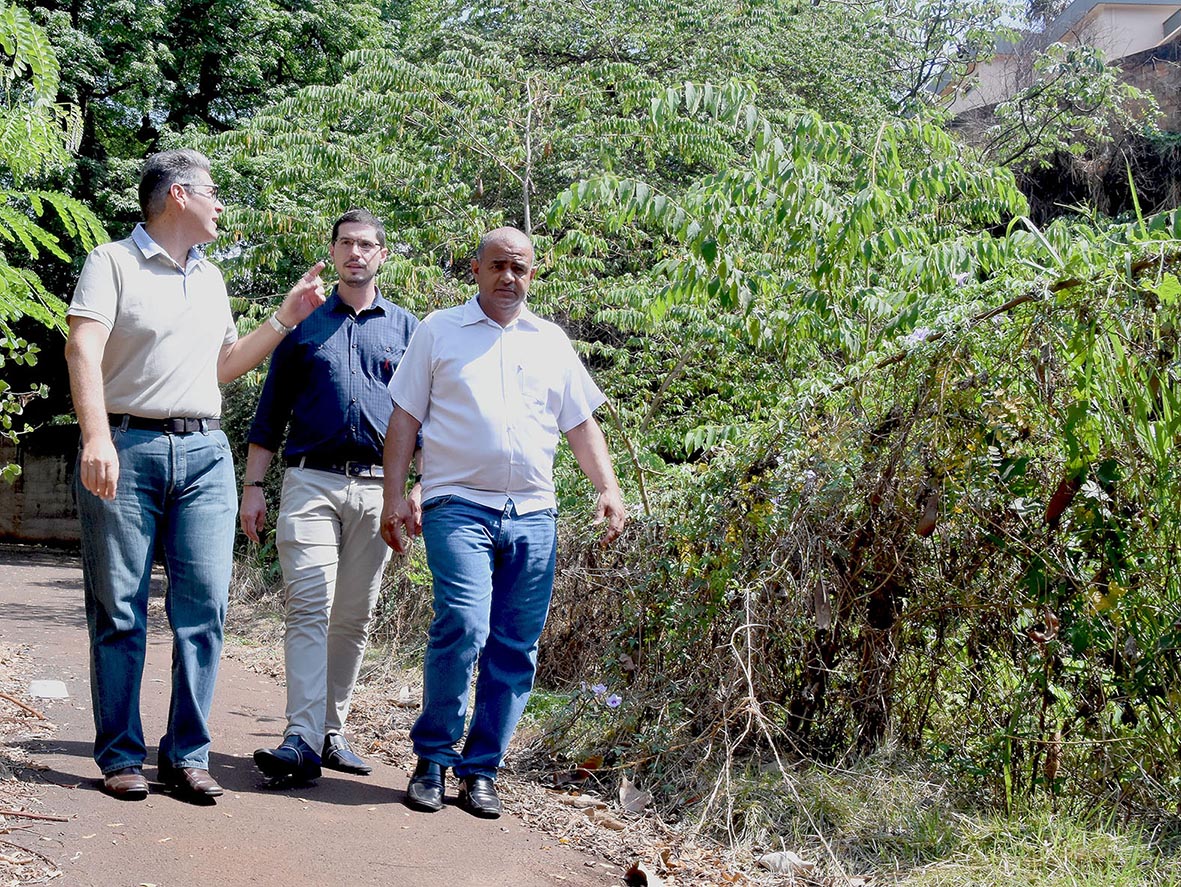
[142,72]
[36,137]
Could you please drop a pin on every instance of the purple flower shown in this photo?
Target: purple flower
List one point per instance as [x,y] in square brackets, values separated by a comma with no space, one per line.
[613,701]
[599,689]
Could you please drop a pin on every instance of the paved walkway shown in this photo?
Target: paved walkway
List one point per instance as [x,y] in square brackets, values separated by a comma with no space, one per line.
[342,831]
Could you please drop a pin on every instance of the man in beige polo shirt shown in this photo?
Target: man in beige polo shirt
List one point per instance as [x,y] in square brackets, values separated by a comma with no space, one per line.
[151,337]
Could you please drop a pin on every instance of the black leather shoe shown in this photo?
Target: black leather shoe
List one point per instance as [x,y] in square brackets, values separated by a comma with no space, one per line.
[293,760]
[425,791]
[477,795]
[338,756]
[127,784]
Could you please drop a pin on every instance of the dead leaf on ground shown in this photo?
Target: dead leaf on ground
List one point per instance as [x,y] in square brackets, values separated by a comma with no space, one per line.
[631,798]
[568,779]
[578,775]
[786,862]
[406,699]
[605,819]
[594,762]
[581,801]
[639,875]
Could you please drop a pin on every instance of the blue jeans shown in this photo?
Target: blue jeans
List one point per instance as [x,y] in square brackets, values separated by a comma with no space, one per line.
[176,495]
[493,576]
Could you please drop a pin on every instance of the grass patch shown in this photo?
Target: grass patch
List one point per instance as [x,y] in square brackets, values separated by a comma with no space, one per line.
[1042,849]
[882,820]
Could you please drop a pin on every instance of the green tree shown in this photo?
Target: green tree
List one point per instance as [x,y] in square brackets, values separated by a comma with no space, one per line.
[1076,105]
[36,136]
[141,73]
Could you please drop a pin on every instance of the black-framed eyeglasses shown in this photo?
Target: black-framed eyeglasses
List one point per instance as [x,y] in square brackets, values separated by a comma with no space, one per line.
[193,186]
[367,247]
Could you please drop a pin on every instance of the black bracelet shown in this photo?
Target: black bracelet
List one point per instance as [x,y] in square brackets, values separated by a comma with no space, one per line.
[252,483]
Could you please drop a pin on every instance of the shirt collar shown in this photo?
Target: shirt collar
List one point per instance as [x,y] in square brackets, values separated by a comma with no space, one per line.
[335,303]
[150,249]
[473,313]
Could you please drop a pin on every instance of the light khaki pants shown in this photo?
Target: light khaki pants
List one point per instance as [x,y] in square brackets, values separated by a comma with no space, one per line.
[333,559]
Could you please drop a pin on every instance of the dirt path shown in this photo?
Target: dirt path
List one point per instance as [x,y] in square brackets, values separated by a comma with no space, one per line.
[342,831]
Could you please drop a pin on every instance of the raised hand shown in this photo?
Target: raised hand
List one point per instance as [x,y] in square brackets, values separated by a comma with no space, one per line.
[305,297]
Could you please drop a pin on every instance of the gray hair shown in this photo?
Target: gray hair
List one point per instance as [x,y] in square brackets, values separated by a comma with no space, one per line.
[162,171]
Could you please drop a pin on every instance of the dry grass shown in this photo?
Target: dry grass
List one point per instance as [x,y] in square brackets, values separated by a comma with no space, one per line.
[20,722]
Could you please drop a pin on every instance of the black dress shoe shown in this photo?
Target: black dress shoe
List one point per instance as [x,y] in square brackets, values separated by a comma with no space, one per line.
[338,756]
[477,795]
[192,783]
[293,760]
[425,791]
[127,784]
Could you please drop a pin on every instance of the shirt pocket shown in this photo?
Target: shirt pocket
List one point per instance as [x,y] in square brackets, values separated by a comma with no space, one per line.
[541,402]
[384,361]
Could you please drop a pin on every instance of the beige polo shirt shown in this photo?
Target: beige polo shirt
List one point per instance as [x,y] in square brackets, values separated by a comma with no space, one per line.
[167,327]
[492,401]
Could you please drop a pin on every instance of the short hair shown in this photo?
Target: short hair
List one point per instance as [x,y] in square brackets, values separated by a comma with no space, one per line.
[497,234]
[360,217]
[161,171]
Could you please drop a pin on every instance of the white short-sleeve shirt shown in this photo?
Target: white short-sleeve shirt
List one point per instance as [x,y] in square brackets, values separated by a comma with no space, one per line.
[167,327]
[492,401]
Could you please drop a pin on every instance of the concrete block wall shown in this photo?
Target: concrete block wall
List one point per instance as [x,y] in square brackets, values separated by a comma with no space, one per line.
[39,505]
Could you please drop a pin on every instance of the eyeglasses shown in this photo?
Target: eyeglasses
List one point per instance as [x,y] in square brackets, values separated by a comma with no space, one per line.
[193,186]
[367,247]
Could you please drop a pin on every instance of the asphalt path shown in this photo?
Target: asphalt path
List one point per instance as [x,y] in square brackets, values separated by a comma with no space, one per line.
[344,830]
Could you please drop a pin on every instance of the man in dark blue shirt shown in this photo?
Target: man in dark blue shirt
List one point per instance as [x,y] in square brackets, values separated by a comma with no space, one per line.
[327,387]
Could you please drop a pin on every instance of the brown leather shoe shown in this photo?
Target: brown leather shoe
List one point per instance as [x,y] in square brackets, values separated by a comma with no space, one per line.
[194,782]
[127,784]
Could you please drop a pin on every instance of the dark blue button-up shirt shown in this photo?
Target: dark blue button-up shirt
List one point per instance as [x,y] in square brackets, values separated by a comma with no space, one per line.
[329,380]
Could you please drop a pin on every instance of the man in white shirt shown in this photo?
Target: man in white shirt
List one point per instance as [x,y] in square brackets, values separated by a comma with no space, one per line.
[491,386]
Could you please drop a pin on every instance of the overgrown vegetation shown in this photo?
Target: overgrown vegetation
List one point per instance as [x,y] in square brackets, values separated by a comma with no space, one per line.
[901,459]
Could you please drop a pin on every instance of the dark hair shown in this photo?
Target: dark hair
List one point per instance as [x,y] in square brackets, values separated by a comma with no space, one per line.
[161,171]
[498,234]
[360,217]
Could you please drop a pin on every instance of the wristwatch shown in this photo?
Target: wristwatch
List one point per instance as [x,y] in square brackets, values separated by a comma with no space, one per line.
[278,326]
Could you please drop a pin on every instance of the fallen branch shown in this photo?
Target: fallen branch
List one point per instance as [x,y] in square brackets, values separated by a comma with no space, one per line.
[27,815]
[54,871]
[20,704]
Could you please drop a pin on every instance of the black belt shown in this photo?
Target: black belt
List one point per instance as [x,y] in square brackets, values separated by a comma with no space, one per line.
[351,469]
[173,425]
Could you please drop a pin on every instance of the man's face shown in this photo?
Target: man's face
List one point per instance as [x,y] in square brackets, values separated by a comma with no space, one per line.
[503,274]
[200,205]
[356,253]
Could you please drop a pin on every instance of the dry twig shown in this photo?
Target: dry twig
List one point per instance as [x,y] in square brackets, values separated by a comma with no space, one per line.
[20,704]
